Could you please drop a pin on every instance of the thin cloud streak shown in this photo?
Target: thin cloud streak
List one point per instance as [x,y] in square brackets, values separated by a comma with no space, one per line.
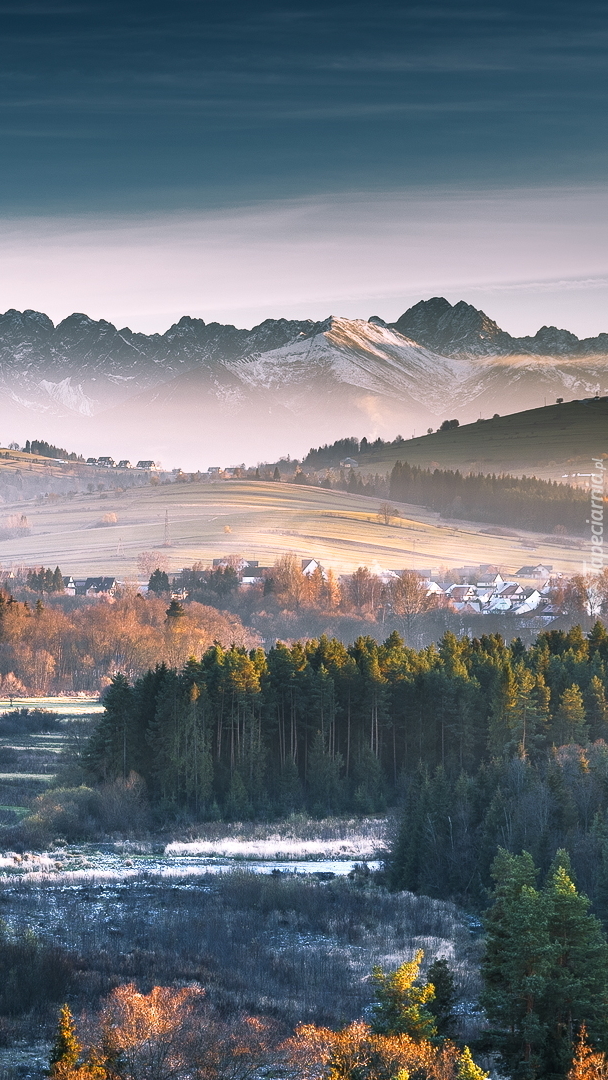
[352,254]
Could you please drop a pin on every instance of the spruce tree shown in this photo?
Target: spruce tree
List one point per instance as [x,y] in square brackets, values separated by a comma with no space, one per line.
[175,610]
[158,583]
[66,1048]
[578,993]
[109,751]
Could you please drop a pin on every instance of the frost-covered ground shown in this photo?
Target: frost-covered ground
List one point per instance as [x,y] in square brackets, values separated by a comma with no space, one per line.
[263,916]
[69,706]
[296,946]
[301,845]
[278,847]
[245,849]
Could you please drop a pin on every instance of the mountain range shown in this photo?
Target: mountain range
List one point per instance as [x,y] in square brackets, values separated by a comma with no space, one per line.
[207,393]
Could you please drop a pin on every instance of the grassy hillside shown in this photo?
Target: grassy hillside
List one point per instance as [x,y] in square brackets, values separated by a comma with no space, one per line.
[260,521]
[544,442]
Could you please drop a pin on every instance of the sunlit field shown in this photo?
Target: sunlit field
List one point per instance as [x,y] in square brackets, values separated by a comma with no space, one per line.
[261,521]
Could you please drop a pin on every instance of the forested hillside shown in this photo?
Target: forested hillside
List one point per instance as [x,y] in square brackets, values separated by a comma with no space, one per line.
[524,502]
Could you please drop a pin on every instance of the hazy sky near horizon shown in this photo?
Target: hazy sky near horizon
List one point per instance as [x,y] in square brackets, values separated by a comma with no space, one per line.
[257,159]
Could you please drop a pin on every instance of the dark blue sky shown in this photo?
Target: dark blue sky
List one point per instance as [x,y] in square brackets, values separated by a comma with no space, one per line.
[190,103]
[189,106]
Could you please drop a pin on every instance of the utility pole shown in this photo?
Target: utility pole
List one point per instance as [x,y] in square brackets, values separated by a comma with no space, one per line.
[167,541]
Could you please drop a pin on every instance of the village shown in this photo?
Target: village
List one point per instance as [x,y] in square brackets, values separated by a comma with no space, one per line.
[477,590]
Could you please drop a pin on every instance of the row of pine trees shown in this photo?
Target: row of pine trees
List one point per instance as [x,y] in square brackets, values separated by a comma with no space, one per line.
[328,728]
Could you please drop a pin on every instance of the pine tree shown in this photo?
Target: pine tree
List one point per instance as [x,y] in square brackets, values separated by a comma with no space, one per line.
[545,967]
[579,985]
[569,725]
[597,708]
[518,964]
[324,785]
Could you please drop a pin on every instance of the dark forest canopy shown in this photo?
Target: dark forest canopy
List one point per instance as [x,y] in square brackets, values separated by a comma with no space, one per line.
[485,744]
[330,453]
[523,501]
[45,449]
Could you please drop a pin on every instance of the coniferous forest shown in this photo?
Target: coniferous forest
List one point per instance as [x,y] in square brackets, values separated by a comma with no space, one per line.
[480,743]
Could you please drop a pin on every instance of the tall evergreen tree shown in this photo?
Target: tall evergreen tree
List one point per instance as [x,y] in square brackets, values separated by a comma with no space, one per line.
[109,751]
[441,978]
[569,725]
[545,967]
[578,993]
[517,966]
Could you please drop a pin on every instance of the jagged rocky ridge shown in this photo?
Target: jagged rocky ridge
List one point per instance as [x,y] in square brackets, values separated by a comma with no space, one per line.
[462,330]
[244,394]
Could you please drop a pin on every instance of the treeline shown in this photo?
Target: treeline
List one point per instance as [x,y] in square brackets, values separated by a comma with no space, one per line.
[45,580]
[329,728]
[330,454]
[45,449]
[525,501]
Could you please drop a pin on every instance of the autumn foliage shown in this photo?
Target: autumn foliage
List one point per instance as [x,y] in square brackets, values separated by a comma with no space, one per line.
[588,1064]
[356,1053]
[167,1034]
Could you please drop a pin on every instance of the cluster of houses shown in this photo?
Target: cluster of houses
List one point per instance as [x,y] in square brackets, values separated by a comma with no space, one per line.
[102,587]
[496,596]
[109,463]
[493,595]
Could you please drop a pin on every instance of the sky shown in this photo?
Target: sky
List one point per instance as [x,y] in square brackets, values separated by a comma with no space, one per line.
[246,160]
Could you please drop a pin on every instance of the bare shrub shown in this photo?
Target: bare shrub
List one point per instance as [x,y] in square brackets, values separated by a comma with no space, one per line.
[81,813]
[32,972]
[149,561]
